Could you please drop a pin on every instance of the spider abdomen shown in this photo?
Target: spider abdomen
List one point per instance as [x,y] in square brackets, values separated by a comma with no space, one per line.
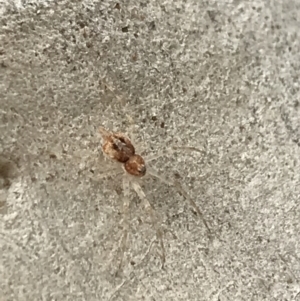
[135,166]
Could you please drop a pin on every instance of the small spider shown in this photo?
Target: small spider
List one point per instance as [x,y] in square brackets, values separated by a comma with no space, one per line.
[117,147]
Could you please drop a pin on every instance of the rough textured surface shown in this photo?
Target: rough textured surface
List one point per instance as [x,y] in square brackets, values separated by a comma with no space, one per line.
[219,76]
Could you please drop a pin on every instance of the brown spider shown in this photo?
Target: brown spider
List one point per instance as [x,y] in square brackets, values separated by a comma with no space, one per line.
[117,147]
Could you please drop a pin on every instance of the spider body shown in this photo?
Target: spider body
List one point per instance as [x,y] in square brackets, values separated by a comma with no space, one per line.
[117,147]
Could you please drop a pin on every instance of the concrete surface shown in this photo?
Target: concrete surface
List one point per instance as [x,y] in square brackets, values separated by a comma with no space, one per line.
[219,76]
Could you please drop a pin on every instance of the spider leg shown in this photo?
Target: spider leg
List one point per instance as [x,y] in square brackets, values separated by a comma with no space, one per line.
[104,132]
[120,99]
[139,191]
[192,203]
[181,191]
[125,222]
[106,174]
[173,150]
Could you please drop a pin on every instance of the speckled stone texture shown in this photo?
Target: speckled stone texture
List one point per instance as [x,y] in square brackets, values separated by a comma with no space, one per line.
[220,76]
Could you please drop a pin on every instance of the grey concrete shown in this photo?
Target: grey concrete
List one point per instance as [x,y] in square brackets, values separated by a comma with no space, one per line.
[219,76]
